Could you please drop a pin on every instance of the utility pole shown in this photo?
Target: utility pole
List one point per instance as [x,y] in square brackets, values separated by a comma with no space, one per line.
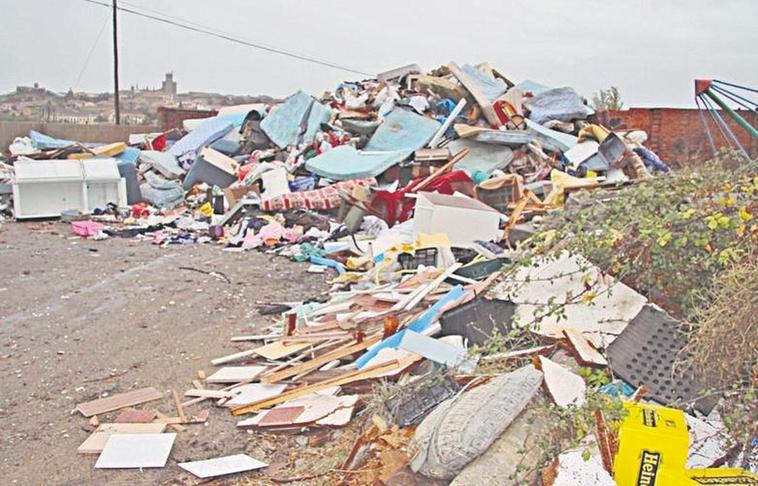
[115,62]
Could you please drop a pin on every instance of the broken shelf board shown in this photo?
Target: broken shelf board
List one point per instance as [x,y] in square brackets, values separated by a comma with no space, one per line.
[95,443]
[254,392]
[343,379]
[136,416]
[314,363]
[221,466]
[432,349]
[235,374]
[120,400]
[279,350]
[565,387]
[585,352]
[126,451]
[208,393]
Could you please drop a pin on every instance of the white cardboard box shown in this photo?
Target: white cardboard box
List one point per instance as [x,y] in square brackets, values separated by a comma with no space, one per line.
[462,219]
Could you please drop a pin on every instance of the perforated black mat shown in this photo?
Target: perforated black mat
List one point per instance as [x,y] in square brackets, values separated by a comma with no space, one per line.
[644,354]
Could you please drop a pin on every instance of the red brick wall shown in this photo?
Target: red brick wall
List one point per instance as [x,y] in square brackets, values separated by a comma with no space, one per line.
[677,135]
[169,118]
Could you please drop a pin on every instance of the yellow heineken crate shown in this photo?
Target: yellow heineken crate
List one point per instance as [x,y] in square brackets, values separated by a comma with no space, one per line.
[651,439]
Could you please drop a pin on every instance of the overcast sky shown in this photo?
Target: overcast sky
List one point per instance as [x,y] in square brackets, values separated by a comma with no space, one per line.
[651,49]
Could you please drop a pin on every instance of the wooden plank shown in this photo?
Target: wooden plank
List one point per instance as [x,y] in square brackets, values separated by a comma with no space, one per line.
[344,379]
[235,374]
[585,352]
[320,361]
[487,110]
[136,416]
[232,357]
[279,350]
[208,393]
[120,400]
[179,407]
[433,285]
[95,443]
[165,419]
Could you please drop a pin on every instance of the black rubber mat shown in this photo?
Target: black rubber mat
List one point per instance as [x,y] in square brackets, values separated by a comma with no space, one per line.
[644,354]
[478,320]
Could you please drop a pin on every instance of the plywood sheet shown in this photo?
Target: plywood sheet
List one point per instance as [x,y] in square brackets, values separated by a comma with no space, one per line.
[136,416]
[235,374]
[253,392]
[126,451]
[221,466]
[95,443]
[565,388]
[279,350]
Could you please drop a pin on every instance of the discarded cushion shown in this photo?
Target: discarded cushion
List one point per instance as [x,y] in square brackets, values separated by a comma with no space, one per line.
[345,163]
[562,104]
[296,120]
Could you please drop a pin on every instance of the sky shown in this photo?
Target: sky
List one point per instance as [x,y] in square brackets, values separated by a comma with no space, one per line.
[651,50]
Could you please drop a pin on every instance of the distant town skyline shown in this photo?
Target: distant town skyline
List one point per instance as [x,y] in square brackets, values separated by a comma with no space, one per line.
[651,50]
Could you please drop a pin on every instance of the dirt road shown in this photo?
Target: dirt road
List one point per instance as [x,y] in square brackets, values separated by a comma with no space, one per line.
[80,318]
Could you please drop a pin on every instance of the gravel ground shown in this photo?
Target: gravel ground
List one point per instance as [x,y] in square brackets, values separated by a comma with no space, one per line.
[81,318]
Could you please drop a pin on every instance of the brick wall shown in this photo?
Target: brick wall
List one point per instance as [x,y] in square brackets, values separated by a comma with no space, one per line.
[677,135]
[169,118]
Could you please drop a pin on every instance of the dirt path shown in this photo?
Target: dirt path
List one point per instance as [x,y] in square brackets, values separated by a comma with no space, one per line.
[74,312]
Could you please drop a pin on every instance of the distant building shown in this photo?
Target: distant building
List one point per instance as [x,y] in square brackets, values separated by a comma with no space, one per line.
[169,85]
[30,89]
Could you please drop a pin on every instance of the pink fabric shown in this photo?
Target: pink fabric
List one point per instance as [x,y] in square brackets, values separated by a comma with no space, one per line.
[86,228]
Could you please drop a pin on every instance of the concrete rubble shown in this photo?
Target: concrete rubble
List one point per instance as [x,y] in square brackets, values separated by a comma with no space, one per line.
[410,192]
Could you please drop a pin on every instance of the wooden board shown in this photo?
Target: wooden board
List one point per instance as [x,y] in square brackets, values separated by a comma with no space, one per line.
[565,387]
[208,393]
[136,416]
[221,466]
[320,361]
[344,379]
[279,350]
[125,451]
[95,443]
[235,374]
[120,400]
[584,351]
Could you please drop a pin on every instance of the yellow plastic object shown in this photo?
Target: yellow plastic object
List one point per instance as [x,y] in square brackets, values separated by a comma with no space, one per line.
[653,448]
[651,439]
[598,132]
[432,241]
[110,150]
[562,181]
[206,209]
[721,476]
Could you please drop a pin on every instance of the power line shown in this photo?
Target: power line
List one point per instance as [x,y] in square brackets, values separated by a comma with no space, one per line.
[206,30]
[89,55]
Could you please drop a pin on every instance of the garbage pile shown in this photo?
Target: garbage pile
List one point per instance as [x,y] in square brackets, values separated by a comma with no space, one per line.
[411,190]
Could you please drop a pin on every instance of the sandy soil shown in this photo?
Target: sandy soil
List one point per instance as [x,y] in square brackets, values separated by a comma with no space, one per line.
[80,318]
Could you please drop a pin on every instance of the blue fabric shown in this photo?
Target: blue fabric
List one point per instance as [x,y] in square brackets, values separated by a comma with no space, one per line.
[46,142]
[402,130]
[650,159]
[328,262]
[131,154]
[345,163]
[282,125]
[419,325]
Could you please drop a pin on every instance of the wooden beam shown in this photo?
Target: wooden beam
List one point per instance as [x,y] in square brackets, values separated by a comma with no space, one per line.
[321,360]
[344,379]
